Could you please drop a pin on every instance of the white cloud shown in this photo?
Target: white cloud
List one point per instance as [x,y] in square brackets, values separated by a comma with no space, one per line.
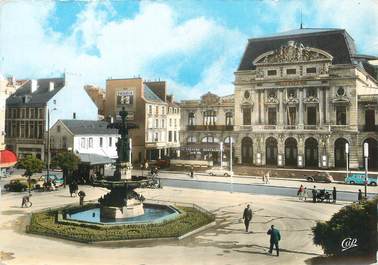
[125,47]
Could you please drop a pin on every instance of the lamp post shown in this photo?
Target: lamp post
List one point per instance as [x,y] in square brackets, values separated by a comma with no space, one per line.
[366,155]
[48,144]
[221,154]
[347,159]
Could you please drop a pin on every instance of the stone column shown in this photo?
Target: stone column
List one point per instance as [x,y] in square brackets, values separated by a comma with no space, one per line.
[300,111]
[262,106]
[281,109]
[255,110]
[328,109]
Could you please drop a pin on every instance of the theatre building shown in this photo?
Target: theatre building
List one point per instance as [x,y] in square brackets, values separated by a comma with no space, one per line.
[300,96]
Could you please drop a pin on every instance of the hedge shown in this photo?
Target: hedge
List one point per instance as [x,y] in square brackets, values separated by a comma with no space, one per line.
[46,223]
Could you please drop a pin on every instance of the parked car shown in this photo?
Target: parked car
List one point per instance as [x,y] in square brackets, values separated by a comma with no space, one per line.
[320,177]
[217,171]
[17,185]
[360,179]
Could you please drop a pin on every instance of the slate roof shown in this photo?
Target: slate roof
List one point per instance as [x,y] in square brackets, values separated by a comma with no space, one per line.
[150,95]
[94,159]
[39,97]
[80,127]
[337,42]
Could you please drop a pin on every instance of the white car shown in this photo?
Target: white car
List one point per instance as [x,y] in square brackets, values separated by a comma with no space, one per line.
[217,171]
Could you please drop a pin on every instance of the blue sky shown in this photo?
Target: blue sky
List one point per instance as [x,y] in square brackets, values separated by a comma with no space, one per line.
[194,45]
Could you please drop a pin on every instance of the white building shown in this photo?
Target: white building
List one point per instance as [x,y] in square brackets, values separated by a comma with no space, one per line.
[84,137]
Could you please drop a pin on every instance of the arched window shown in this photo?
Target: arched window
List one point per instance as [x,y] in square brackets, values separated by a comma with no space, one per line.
[209,117]
[191,140]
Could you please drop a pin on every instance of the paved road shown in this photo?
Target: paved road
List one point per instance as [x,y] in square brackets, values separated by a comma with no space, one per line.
[247,188]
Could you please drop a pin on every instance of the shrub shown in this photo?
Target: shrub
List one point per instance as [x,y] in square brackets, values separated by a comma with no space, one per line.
[352,221]
[46,223]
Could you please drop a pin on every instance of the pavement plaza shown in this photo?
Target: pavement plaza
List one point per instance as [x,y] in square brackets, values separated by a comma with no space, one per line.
[225,243]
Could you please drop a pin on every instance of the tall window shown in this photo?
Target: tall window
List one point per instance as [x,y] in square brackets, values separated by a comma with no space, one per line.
[170,122]
[100,141]
[291,115]
[209,117]
[175,136]
[175,122]
[272,116]
[162,123]
[156,137]
[64,142]
[169,136]
[156,123]
[247,116]
[341,115]
[311,115]
[149,109]
[229,120]
[191,118]
[157,110]
[82,142]
[110,141]
[90,142]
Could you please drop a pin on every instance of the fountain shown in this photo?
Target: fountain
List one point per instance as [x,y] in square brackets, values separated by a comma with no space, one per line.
[122,201]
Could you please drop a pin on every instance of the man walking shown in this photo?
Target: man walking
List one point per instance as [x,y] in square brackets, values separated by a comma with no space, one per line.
[359,196]
[275,236]
[247,216]
[314,193]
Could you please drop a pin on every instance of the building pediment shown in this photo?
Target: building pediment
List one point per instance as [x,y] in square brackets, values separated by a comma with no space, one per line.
[271,101]
[292,52]
[292,101]
[209,99]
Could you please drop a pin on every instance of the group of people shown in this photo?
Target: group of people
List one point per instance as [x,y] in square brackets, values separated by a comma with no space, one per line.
[302,194]
[273,232]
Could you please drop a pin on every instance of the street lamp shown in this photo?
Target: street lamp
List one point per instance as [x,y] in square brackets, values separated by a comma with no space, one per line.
[366,155]
[221,154]
[347,159]
[48,144]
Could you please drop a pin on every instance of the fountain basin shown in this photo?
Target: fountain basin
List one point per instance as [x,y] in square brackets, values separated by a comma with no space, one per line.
[153,213]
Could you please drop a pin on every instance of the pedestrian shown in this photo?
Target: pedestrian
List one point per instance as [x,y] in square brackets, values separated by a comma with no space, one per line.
[314,193]
[146,165]
[81,196]
[247,216]
[267,177]
[359,196]
[275,237]
[300,192]
[70,188]
[305,195]
[191,172]
[334,192]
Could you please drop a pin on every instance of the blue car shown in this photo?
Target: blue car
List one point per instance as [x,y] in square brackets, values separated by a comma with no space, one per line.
[360,179]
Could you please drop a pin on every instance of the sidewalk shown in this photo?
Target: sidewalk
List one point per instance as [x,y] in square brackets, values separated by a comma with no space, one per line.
[254,180]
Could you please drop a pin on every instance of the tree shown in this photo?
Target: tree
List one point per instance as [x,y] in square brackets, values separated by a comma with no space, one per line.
[356,221]
[68,162]
[31,165]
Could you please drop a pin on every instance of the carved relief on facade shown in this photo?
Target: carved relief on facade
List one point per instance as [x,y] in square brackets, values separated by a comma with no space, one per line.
[209,99]
[292,100]
[311,100]
[293,52]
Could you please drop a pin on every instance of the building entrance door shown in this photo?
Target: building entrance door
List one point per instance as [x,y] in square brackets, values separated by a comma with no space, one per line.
[271,151]
[311,153]
[340,156]
[373,153]
[369,120]
[247,151]
[291,152]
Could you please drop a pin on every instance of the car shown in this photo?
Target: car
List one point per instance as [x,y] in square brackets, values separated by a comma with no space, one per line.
[320,177]
[17,185]
[217,171]
[360,179]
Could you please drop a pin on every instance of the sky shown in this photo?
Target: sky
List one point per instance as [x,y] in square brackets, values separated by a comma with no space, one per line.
[196,45]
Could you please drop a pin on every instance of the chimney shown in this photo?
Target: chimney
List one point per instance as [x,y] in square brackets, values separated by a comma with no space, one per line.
[51,86]
[34,84]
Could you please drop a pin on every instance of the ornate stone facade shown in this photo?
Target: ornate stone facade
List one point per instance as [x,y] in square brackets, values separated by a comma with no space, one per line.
[303,106]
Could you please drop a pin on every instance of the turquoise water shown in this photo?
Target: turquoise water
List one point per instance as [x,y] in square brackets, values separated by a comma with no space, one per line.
[152,214]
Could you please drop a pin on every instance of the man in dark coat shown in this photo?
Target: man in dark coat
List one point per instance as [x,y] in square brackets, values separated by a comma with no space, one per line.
[334,194]
[247,216]
[359,196]
[275,237]
[314,193]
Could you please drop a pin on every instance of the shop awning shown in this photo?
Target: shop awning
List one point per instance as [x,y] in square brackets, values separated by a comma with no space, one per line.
[7,158]
[95,159]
